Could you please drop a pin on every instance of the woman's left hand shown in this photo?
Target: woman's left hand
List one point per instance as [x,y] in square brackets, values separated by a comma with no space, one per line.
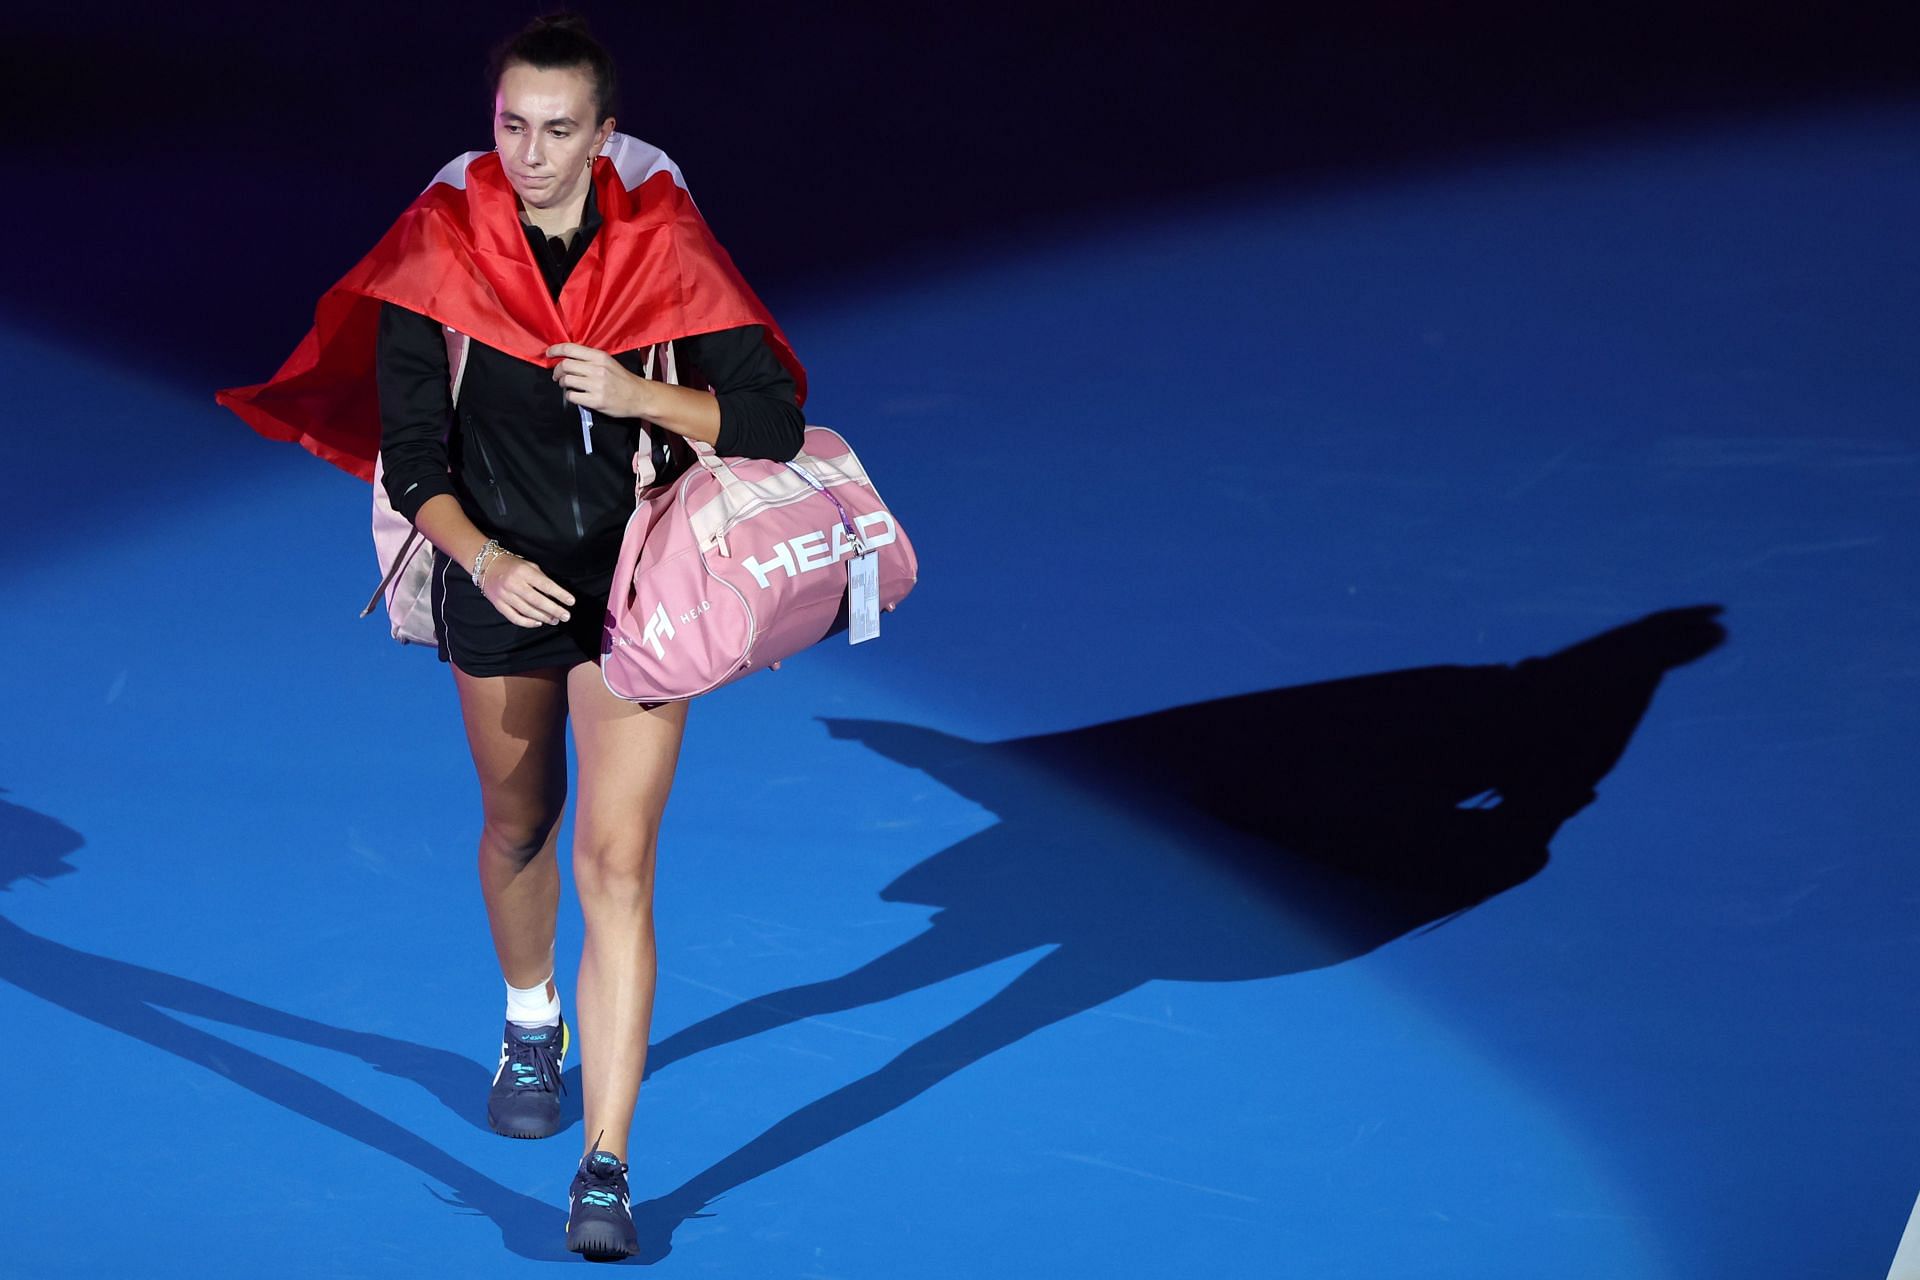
[595,380]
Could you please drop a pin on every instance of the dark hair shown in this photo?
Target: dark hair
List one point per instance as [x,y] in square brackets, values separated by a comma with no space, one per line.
[557,41]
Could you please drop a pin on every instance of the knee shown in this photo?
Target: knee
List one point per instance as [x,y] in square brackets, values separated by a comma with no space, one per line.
[518,837]
[614,871]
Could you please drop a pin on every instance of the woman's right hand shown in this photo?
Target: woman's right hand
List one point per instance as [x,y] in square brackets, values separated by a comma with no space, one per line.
[524,596]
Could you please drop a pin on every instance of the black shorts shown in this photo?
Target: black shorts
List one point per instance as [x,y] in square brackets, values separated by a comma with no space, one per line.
[477,638]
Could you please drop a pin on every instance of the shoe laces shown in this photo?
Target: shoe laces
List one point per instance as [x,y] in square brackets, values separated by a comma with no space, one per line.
[600,1173]
[535,1064]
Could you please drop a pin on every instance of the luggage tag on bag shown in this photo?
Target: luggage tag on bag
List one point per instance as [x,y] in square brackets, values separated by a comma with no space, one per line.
[863,570]
[863,597]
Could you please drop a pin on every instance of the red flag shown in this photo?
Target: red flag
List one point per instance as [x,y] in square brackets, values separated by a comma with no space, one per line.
[652,273]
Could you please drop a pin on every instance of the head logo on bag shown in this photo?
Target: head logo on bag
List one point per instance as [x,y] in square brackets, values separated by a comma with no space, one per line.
[658,625]
[812,551]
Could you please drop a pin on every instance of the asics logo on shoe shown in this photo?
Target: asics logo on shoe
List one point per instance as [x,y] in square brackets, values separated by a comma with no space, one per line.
[523,1100]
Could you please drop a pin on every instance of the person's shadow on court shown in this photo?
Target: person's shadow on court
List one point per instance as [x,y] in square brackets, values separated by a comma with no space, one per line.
[1248,837]
[128,998]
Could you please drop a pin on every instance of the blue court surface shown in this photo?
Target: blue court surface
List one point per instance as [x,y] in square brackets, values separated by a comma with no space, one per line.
[1399,764]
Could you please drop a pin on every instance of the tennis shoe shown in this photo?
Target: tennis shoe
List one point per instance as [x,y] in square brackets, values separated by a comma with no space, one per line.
[599,1210]
[524,1101]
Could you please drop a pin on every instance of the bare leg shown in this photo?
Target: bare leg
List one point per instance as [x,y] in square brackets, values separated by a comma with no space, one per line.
[627,759]
[515,729]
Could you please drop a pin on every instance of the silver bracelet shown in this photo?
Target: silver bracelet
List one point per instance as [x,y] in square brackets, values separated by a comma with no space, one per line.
[486,556]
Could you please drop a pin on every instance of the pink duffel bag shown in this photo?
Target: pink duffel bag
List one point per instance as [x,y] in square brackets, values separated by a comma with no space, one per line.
[742,562]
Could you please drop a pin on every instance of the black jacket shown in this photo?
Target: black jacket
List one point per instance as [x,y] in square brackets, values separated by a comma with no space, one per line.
[514,456]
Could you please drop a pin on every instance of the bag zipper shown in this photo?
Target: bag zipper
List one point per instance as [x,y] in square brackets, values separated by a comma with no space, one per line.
[853,532]
[755,505]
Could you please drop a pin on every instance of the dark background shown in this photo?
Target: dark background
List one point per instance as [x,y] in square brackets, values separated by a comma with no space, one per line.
[186,181]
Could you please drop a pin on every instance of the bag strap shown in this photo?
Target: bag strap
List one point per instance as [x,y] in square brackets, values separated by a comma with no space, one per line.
[659,357]
[393,571]
[716,465]
[457,346]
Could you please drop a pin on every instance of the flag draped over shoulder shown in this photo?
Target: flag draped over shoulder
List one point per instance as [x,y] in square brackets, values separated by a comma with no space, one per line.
[652,273]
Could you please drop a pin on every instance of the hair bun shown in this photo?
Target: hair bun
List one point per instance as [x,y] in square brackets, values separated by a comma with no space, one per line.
[558,40]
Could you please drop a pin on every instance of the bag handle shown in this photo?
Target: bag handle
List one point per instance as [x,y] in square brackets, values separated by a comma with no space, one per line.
[659,355]
[393,571]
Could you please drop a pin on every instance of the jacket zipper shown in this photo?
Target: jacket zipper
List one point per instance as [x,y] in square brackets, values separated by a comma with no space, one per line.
[573,478]
[499,498]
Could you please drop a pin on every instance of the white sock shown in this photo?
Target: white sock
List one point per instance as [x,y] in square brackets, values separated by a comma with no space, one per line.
[532,1006]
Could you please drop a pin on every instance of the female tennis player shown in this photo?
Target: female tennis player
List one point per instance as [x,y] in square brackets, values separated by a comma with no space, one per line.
[523,483]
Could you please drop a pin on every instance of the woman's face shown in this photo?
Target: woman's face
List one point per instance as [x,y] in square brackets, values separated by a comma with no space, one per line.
[544,129]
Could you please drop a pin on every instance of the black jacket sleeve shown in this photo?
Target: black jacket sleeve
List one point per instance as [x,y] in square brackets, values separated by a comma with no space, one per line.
[760,415]
[416,406]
